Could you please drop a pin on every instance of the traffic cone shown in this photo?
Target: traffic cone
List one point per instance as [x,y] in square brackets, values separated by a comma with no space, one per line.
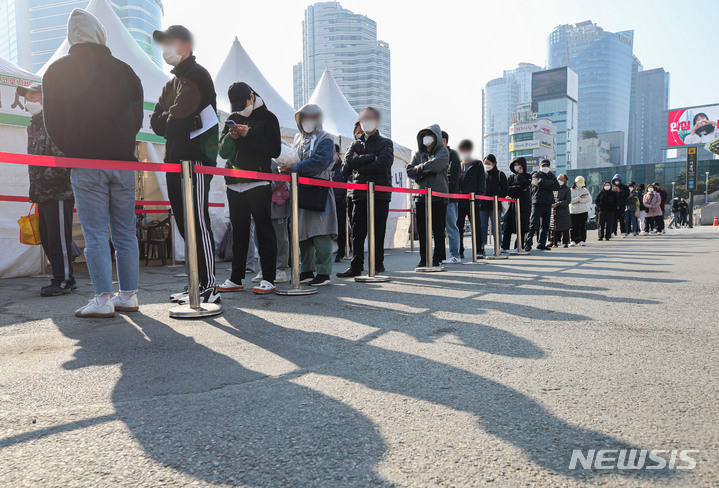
[716,221]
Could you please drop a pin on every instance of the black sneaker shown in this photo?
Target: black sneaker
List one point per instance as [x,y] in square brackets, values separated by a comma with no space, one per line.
[349,273]
[379,269]
[543,247]
[176,297]
[320,280]
[339,259]
[306,277]
[208,295]
[54,290]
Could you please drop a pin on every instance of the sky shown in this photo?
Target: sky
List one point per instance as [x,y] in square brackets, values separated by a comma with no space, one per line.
[444,52]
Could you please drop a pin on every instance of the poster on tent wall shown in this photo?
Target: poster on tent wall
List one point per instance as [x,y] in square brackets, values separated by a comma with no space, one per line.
[12,105]
[398,220]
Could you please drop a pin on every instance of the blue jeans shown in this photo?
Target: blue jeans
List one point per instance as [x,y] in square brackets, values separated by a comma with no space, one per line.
[452,229]
[484,217]
[631,224]
[105,202]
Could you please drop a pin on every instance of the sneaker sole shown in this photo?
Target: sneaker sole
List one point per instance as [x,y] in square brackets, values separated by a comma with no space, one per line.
[226,290]
[60,293]
[263,292]
[324,283]
[127,309]
[94,315]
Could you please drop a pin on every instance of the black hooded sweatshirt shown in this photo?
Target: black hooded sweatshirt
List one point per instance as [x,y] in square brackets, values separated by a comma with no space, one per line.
[496,186]
[519,187]
[606,201]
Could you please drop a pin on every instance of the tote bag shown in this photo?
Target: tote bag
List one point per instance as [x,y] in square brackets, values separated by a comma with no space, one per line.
[30,227]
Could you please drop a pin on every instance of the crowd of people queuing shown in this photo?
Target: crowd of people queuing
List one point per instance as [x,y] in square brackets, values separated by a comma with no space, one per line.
[85,86]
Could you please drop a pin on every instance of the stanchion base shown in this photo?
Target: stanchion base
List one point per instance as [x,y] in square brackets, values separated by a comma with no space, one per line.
[347,258]
[205,310]
[411,251]
[288,292]
[180,275]
[522,252]
[471,262]
[501,256]
[371,279]
[431,269]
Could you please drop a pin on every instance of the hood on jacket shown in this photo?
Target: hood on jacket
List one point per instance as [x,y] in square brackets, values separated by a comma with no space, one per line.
[309,109]
[83,27]
[432,130]
[617,177]
[522,161]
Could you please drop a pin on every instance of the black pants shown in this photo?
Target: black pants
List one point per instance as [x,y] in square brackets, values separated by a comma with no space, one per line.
[606,220]
[341,207]
[579,227]
[538,222]
[653,223]
[660,222]
[464,211]
[55,218]
[560,236]
[203,227]
[509,227]
[244,206]
[439,215]
[359,232]
[619,219]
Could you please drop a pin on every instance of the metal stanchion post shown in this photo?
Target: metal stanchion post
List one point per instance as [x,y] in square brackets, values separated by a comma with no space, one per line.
[520,236]
[43,261]
[296,288]
[371,258]
[347,237]
[497,237]
[172,254]
[428,268]
[195,309]
[473,217]
[412,215]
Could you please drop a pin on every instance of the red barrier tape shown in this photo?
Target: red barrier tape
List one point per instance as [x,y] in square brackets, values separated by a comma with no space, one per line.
[393,189]
[139,203]
[33,160]
[400,209]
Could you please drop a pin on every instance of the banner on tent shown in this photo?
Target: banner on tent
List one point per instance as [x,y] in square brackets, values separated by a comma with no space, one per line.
[12,105]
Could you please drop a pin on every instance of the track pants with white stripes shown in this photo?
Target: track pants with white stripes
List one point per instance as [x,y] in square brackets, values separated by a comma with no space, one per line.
[56,233]
[203,227]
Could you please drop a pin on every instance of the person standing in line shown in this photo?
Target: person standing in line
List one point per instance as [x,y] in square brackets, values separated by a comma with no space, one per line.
[370,159]
[51,190]
[579,211]
[561,220]
[631,223]
[496,186]
[428,169]
[341,204]
[250,139]
[518,188]
[80,91]
[606,206]
[683,213]
[653,202]
[642,208]
[317,228]
[453,172]
[186,116]
[674,223]
[622,193]
[663,195]
[544,184]
[471,180]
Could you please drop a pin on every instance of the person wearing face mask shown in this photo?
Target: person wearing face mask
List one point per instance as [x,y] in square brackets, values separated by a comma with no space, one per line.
[663,195]
[622,191]
[178,112]
[249,141]
[544,184]
[579,212]
[93,109]
[471,180]
[51,190]
[455,168]
[631,209]
[428,169]
[653,202]
[606,203]
[496,185]
[317,228]
[518,188]
[341,204]
[370,159]
[561,221]
[642,209]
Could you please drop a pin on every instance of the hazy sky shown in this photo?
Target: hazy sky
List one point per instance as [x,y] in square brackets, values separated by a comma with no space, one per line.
[443,52]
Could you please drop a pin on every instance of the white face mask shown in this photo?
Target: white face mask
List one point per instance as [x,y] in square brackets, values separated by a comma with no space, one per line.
[169,54]
[368,126]
[33,107]
[309,125]
[607,187]
[545,169]
[248,110]
[488,167]
[465,156]
[651,190]
[631,189]
[427,141]
[562,182]
[517,167]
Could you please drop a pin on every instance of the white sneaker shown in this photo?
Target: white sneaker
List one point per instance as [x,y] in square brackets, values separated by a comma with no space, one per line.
[129,305]
[572,244]
[264,288]
[281,276]
[452,260]
[208,295]
[230,286]
[582,243]
[179,295]
[257,278]
[624,236]
[96,311]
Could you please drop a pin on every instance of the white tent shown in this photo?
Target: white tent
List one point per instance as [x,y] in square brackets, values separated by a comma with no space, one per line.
[238,66]
[339,119]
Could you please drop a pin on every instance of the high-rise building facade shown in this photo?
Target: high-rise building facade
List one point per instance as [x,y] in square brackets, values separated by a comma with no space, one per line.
[648,115]
[36,28]
[603,61]
[346,43]
[500,99]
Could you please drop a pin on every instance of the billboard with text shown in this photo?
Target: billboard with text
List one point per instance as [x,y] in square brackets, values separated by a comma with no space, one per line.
[693,125]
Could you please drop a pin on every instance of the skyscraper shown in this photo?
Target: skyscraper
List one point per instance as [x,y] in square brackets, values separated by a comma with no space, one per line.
[36,28]
[648,115]
[603,61]
[346,43]
[500,99]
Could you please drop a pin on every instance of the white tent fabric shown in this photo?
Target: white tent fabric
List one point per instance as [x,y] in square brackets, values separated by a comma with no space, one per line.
[339,119]
[238,66]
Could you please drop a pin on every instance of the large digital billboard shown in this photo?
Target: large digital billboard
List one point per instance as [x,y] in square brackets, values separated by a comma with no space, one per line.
[693,126]
[555,83]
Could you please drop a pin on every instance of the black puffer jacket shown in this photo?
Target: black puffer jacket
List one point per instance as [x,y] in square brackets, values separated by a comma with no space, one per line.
[496,186]
[543,187]
[339,177]
[519,188]
[606,201]
[472,179]
[46,182]
[370,160]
